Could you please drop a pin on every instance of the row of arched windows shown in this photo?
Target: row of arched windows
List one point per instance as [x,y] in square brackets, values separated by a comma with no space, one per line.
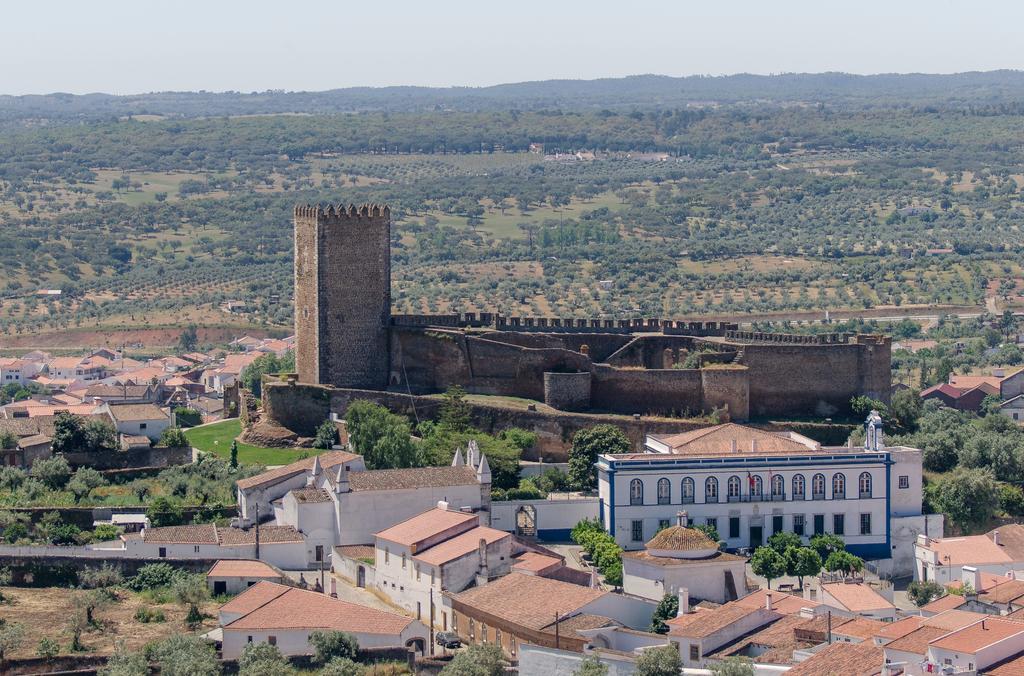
[755,488]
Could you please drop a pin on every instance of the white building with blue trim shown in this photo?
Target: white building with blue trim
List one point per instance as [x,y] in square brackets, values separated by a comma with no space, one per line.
[750,483]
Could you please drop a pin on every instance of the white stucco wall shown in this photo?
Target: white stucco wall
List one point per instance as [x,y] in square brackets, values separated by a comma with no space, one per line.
[237,585]
[361,514]
[706,581]
[296,641]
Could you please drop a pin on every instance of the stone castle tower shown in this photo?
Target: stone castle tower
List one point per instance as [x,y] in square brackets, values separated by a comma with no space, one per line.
[342,294]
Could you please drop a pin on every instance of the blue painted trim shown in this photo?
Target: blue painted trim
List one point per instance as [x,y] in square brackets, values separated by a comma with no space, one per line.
[888,509]
[878,550]
[557,534]
[610,526]
[659,463]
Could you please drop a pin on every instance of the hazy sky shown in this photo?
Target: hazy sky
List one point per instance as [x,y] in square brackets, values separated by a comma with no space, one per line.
[121,47]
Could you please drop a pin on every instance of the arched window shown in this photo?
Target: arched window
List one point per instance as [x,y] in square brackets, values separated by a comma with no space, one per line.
[818,487]
[838,486]
[664,491]
[778,487]
[734,488]
[756,487]
[711,489]
[798,487]
[636,492]
[865,484]
[687,490]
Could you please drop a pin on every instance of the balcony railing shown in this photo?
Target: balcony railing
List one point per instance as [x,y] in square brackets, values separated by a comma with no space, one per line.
[817,496]
[687,499]
[865,495]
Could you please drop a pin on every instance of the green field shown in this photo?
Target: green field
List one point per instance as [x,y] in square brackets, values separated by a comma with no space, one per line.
[216,438]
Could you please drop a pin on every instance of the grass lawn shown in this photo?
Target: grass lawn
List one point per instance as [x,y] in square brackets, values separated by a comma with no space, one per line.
[216,438]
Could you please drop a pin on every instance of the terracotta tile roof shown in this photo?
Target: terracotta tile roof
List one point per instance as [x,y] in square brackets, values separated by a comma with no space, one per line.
[986,579]
[916,642]
[944,388]
[125,391]
[706,622]
[970,382]
[681,539]
[777,641]
[36,440]
[210,534]
[242,568]
[947,602]
[528,600]
[310,494]
[816,628]
[647,557]
[981,549]
[136,412]
[857,597]
[327,461]
[861,627]
[460,545]
[718,440]
[579,622]
[303,609]
[357,551]
[252,598]
[842,659]
[953,619]
[900,628]
[236,363]
[429,524]
[1006,592]
[416,477]
[787,604]
[980,635]
[1011,666]
[533,562]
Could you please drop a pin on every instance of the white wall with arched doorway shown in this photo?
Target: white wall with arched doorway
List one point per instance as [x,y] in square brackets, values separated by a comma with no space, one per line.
[555,516]
[347,564]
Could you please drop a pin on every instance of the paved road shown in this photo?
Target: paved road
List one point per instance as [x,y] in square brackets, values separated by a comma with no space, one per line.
[346,592]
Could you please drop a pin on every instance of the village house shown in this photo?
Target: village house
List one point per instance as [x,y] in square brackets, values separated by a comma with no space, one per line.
[518,608]
[285,616]
[281,546]
[233,576]
[17,371]
[146,420]
[120,394]
[856,598]
[749,484]
[942,559]
[439,550]
[682,558]
[848,659]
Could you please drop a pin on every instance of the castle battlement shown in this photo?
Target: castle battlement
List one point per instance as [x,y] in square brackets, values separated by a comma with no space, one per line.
[502,323]
[807,339]
[330,214]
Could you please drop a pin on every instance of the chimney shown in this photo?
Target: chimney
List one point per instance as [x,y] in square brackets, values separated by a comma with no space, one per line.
[995,536]
[969,576]
[684,601]
[682,519]
[482,553]
[768,601]
[341,481]
[441,504]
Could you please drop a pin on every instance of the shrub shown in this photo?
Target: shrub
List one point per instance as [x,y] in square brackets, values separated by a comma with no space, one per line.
[326,435]
[105,532]
[47,648]
[162,512]
[16,531]
[84,480]
[52,472]
[97,578]
[342,666]
[187,417]
[923,593]
[63,534]
[331,644]
[174,437]
[262,659]
[154,575]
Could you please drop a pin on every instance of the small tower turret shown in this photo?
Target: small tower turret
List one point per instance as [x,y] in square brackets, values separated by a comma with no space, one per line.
[873,432]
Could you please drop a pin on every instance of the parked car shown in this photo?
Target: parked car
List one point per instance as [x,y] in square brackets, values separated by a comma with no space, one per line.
[447,639]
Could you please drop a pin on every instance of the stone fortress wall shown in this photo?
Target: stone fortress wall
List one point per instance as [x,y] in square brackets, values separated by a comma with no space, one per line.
[346,337]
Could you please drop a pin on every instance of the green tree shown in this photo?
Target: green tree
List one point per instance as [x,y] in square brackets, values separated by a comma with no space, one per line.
[163,512]
[733,666]
[456,413]
[189,339]
[923,593]
[969,497]
[68,433]
[47,648]
[587,444]
[191,591]
[843,562]
[826,543]
[784,540]
[262,659]
[802,562]
[660,661]
[1011,499]
[591,666]
[267,364]
[477,660]
[185,655]
[125,663]
[326,435]
[330,644]
[53,472]
[381,437]
[708,530]
[234,454]
[98,436]
[174,437]
[666,609]
[83,481]
[342,666]
[12,634]
[768,563]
